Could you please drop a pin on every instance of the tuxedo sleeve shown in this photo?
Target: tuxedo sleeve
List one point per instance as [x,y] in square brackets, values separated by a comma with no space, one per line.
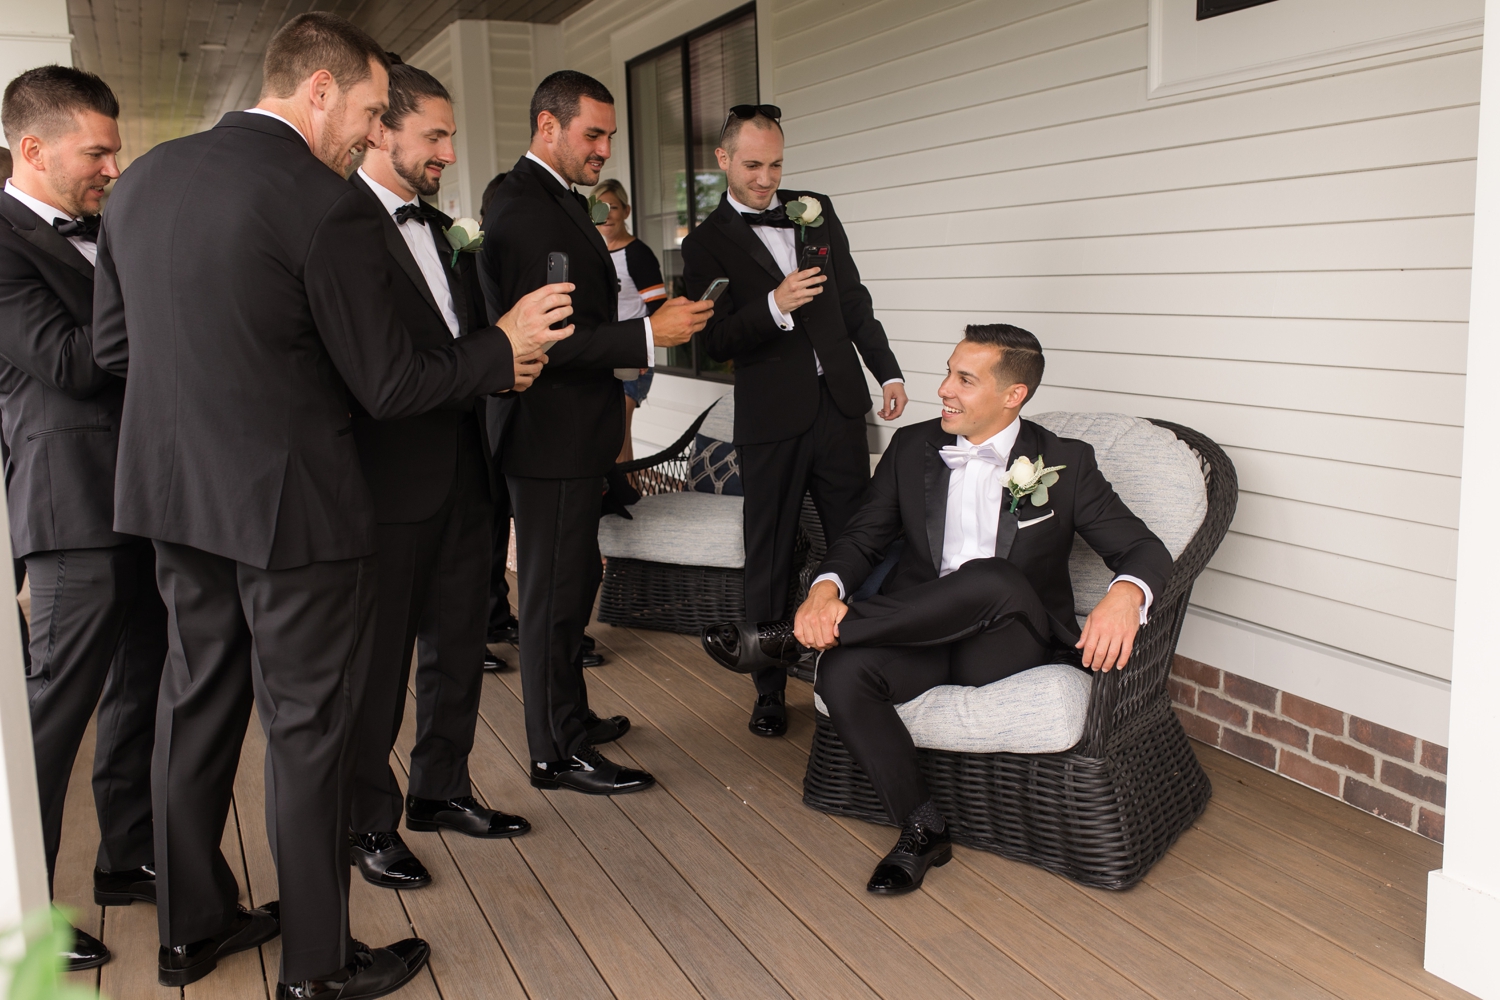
[872,529]
[348,281]
[858,308]
[1123,541]
[740,322]
[39,335]
[111,345]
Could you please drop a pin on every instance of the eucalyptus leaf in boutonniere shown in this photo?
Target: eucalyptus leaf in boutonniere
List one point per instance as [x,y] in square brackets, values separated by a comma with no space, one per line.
[1030,479]
[598,211]
[464,236]
[806,212]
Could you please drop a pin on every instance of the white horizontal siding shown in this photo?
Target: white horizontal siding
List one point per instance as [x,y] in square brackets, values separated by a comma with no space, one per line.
[511,87]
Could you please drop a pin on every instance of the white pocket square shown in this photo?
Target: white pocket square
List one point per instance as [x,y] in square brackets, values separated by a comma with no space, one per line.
[1035,520]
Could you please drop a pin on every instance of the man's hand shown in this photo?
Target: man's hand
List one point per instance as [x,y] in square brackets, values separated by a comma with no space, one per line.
[1110,629]
[528,321]
[817,624]
[527,371]
[894,401]
[678,319]
[798,289]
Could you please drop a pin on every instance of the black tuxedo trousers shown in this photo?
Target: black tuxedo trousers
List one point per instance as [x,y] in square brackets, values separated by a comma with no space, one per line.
[831,461]
[293,642]
[432,578]
[977,625]
[98,627]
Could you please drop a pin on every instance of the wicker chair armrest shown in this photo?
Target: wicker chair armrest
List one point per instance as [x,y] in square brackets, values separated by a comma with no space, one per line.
[676,450]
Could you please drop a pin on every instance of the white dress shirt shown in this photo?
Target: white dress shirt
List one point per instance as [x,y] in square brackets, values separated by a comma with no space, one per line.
[782,242]
[49,215]
[976,491]
[650,339]
[418,237]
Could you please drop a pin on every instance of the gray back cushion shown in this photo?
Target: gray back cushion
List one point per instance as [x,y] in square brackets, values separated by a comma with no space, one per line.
[719,424]
[1155,473]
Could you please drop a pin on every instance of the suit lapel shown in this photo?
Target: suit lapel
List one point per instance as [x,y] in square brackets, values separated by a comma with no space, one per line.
[740,233]
[572,209]
[935,475]
[1005,533]
[395,244]
[29,226]
[451,264]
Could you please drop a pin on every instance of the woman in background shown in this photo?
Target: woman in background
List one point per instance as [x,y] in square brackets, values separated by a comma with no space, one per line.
[641,287]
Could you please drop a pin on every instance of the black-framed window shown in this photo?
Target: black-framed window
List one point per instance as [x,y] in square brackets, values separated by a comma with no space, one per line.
[1213,8]
[679,95]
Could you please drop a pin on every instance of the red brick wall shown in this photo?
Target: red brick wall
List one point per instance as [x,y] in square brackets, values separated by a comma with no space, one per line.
[1391,775]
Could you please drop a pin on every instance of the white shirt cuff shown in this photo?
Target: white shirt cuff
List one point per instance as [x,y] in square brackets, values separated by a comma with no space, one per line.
[650,344]
[1146,605]
[782,319]
[893,381]
[836,582]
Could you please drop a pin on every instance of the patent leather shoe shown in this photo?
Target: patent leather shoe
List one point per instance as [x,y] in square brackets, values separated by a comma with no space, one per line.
[86,952]
[493,661]
[374,972]
[745,647]
[182,964]
[121,888]
[918,849]
[769,716]
[590,772]
[462,815]
[605,730]
[385,860]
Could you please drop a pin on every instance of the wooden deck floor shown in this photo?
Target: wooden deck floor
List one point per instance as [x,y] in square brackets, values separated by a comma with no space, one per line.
[720,883]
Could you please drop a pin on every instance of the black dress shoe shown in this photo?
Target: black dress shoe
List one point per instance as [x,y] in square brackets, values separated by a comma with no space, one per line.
[187,963]
[588,643]
[590,772]
[769,716]
[592,659]
[87,952]
[746,647]
[375,972]
[918,849]
[385,860]
[124,887]
[508,631]
[606,730]
[463,815]
[493,662]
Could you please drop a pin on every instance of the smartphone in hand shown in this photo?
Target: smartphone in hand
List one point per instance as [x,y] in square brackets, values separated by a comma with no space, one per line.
[813,256]
[557,273]
[712,293]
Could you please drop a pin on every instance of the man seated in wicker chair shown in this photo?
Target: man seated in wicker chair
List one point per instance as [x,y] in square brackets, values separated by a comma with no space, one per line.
[981,589]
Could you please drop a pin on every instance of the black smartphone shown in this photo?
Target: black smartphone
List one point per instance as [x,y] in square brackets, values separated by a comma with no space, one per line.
[557,267]
[813,256]
[712,293]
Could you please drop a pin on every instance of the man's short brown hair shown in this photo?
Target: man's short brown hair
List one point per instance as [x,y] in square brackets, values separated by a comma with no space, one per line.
[409,88]
[318,40]
[562,94]
[43,101]
[1021,358]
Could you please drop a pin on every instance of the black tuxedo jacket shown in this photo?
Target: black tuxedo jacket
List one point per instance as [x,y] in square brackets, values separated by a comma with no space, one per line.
[60,411]
[909,493]
[775,375]
[247,290]
[571,422]
[409,463]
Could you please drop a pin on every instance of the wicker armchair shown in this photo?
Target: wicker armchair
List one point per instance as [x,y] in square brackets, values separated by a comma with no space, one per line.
[1105,811]
[667,596]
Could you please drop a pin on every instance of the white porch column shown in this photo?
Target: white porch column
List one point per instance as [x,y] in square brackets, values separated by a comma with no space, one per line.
[1463,897]
[34,33]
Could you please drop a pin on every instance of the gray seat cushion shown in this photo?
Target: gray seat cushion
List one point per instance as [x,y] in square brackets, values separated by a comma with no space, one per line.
[686,529]
[1041,710]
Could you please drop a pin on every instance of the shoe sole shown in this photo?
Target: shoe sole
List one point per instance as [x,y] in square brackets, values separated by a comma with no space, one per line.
[121,898]
[92,963]
[937,862]
[427,826]
[544,783]
[186,977]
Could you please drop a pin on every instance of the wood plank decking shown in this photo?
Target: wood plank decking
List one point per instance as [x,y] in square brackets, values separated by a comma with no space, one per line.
[721,884]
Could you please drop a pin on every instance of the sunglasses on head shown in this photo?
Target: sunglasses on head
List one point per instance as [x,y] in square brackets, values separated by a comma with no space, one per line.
[745,112]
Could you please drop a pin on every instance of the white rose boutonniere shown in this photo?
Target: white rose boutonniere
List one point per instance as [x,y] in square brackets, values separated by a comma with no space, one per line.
[806,212]
[1030,479]
[464,236]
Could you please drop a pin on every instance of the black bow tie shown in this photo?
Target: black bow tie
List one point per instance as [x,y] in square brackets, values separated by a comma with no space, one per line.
[421,211]
[772,217]
[86,228]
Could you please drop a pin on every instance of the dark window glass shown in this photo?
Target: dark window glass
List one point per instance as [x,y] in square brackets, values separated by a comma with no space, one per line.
[679,95]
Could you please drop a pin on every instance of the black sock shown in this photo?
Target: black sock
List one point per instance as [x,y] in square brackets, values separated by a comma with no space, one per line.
[927,816]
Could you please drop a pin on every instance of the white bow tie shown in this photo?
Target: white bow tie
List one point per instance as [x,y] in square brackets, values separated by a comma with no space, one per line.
[956,456]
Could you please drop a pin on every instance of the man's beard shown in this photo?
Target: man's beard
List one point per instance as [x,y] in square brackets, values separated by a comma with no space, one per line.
[334,145]
[573,166]
[415,174]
